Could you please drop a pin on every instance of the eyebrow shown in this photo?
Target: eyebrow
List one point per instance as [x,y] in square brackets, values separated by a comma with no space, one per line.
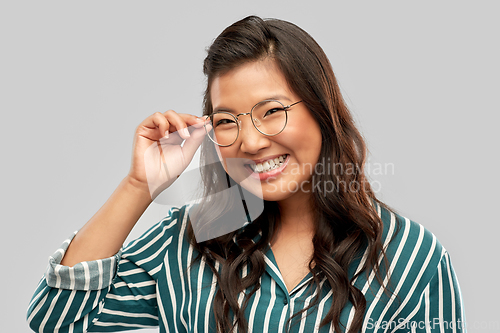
[275,97]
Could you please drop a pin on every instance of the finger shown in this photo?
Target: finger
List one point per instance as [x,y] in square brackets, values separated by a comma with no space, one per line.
[177,123]
[162,123]
[191,144]
[191,120]
[153,127]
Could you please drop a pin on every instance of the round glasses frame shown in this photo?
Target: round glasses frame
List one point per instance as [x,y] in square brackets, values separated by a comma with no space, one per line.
[237,121]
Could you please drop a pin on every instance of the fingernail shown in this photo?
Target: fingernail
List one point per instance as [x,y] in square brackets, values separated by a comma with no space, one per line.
[166,134]
[185,132]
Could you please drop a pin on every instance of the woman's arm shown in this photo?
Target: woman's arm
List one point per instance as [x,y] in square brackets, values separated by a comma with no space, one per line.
[96,296]
[104,234]
[82,287]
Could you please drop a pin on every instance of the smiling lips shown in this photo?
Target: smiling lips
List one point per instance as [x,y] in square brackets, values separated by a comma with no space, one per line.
[268,168]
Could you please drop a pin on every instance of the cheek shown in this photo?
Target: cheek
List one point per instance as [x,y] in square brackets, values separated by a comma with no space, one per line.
[224,153]
[232,165]
[305,136]
[220,155]
[307,146]
[317,142]
[314,138]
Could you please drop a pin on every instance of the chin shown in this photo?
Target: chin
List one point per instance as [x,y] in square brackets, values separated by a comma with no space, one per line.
[279,194]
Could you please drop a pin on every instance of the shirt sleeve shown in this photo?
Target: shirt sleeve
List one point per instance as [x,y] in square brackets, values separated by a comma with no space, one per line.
[107,295]
[440,308]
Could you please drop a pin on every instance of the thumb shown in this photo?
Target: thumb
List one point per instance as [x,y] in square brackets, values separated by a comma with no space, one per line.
[192,143]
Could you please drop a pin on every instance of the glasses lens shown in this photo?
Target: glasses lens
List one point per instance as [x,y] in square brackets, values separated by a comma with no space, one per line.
[224,128]
[269,117]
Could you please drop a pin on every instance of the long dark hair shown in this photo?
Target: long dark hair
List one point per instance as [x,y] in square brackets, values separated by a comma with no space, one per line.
[347,224]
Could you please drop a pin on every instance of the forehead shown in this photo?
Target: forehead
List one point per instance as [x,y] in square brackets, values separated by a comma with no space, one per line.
[249,84]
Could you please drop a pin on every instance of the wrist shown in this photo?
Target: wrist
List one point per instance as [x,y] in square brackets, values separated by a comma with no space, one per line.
[137,187]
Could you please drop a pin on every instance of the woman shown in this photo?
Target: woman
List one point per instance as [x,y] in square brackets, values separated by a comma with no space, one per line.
[323,254]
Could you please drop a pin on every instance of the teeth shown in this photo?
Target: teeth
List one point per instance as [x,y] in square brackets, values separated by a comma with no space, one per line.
[269,164]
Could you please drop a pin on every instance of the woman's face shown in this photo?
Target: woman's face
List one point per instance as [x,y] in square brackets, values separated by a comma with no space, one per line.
[294,151]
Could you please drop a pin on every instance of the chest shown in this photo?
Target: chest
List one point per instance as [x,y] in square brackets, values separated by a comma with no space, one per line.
[186,297]
[186,293]
[292,257]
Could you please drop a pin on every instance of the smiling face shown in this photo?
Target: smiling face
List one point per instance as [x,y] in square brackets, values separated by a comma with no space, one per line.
[283,164]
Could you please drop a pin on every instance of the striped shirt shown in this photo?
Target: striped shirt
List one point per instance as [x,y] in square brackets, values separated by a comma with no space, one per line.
[151,283]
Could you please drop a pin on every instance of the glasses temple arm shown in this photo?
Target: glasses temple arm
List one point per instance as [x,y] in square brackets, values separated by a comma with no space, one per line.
[290,105]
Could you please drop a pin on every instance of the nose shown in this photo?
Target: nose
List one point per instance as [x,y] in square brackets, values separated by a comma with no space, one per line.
[250,139]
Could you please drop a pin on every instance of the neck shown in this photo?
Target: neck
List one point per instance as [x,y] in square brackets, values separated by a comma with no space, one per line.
[297,214]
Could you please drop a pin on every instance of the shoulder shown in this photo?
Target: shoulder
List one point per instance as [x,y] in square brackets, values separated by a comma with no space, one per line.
[419,285]
[170,225]
[163,235]
[413,252]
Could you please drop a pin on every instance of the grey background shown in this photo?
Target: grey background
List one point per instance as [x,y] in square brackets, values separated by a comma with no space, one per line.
[421,78]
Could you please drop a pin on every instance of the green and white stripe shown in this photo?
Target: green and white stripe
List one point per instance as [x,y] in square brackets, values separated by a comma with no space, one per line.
[151,283]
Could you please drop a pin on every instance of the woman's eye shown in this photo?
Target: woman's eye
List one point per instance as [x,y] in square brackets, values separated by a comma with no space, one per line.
[273,111]
[224,122]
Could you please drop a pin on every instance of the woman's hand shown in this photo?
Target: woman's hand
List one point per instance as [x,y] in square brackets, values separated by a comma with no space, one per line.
[156,163]
[158,157]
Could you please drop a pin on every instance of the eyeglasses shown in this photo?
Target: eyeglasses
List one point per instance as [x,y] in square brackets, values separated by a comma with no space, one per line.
[269,117]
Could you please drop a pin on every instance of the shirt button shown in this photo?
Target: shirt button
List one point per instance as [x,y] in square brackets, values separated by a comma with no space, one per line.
[285,301]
